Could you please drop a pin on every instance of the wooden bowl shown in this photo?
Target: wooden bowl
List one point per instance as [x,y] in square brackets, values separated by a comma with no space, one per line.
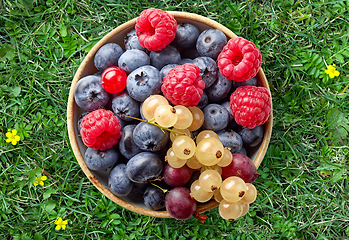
[100,179]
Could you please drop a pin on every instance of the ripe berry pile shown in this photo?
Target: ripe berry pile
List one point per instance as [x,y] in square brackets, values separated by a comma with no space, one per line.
[174,116]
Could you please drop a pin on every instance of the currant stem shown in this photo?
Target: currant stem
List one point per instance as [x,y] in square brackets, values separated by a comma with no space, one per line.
[152,122]
[164,190]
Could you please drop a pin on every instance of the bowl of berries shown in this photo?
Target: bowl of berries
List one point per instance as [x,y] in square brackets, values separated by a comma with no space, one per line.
[170,115]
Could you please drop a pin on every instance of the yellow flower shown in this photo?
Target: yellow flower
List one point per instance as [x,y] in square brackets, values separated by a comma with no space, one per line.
[331,71]
[60,223]
[40,181]
[12,137]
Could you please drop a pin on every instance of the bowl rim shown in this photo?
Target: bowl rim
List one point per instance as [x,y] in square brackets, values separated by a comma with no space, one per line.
[71,126]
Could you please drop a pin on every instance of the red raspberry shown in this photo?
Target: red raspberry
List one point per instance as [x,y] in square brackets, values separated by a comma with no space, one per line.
[100,129]
[239,60]
[183,85]
[155,29]
[250,106]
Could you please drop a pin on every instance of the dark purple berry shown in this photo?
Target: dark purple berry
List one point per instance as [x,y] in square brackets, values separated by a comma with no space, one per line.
[203,101]
[118,182]
[149,137]
[216,117]
[185,60]
[154,198]
[80,120]
[165,56]
[208,70]
[219,89]
[107,56]
[230,139]
[252,137]
[143,82]
[249,82]
[101,160]
[190,53]
[143,167]
[165,69]
[123,105]
[211,42]
[89,93]
[186,36]
[127,146]
[133,59]
[232,123]
[131,41]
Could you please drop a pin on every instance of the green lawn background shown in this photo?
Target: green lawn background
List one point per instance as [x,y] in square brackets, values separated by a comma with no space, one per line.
[304,176]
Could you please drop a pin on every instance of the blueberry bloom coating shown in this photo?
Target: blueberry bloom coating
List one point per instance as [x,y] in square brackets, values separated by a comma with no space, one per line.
[101,160]
[143,82]
[131,41]
[165,56]
[133,59]
[219,89]
[216,117]
[208,70]
[107,56]
[123,105]
[143,167]
[89,93]
[127,146]
[186,36]
[230,139]
[211,42]
[149,137]
[118,182]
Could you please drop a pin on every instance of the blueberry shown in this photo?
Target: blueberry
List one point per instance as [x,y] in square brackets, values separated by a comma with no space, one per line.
[107,56]
[89,93]
[186,36]
[165,69]
[249,82]
[80,120]
[216,117]
[131,41]
[143,82]
[133,59]
[118,182]
[203,101]
[121,122]
[143,167]
[252,137]
[243,151]
[230,139]
[208,70]
[101,160]
[127,146]
[185,60]
[190,53]
[149,137]
[139,188]
[232,123]
[154,198]
[123,105]
[165,56]
[219,89]
[211,42]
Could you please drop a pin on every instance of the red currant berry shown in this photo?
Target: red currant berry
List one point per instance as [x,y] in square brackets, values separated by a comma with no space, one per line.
[113,79]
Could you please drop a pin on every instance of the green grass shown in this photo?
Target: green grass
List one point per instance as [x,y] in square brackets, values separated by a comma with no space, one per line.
[304,175]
